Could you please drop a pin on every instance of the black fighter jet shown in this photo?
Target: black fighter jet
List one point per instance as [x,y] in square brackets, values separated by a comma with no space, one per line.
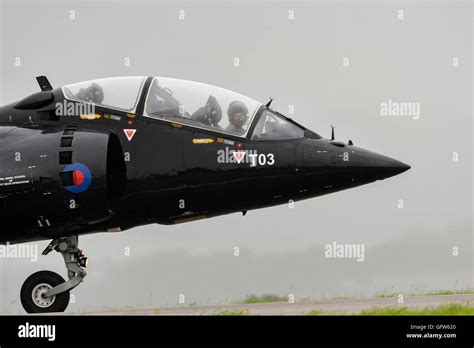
[112,154]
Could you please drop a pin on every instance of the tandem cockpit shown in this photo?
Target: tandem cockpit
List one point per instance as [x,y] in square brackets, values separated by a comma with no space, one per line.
[189,103]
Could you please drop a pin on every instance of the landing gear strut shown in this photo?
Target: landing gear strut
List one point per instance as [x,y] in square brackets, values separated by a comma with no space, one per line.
[47,291]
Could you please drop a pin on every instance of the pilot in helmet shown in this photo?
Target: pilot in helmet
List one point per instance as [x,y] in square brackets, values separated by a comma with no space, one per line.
[238,116]
[92,94]
[209,114]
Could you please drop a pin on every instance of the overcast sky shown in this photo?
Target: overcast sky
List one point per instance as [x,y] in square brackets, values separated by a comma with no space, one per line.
[298,62]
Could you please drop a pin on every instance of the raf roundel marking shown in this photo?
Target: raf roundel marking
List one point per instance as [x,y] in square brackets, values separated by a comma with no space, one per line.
[81,177]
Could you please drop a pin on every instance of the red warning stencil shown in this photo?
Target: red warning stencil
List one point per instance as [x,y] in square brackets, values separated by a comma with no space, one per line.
[129,133]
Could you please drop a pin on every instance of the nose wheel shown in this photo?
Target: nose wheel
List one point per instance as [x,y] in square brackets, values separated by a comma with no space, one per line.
[33,292]
[46,291]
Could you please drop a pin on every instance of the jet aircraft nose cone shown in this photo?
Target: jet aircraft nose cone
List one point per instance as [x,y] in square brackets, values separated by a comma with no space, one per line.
[391,167]
[376,165]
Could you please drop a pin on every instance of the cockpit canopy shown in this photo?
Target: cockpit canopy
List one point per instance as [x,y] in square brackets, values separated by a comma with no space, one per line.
[200,105]
[120,93]
[179,101]
[188,103]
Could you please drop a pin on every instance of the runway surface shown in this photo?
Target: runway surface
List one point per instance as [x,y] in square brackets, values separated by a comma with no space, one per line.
[335,306]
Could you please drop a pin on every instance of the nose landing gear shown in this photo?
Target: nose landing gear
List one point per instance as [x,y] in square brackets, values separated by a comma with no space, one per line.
[46,291]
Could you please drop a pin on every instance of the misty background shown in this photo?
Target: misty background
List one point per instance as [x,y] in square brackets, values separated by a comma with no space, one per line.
[298,62]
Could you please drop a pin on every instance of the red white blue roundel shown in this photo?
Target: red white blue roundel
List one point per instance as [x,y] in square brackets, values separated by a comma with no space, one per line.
[81,177]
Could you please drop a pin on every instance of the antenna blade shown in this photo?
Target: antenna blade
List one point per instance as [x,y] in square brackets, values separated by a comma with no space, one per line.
[44,83]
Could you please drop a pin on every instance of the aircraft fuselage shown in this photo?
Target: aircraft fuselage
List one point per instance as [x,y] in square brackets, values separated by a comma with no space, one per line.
[141,170]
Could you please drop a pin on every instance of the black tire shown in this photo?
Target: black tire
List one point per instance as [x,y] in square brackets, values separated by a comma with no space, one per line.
[37,282]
